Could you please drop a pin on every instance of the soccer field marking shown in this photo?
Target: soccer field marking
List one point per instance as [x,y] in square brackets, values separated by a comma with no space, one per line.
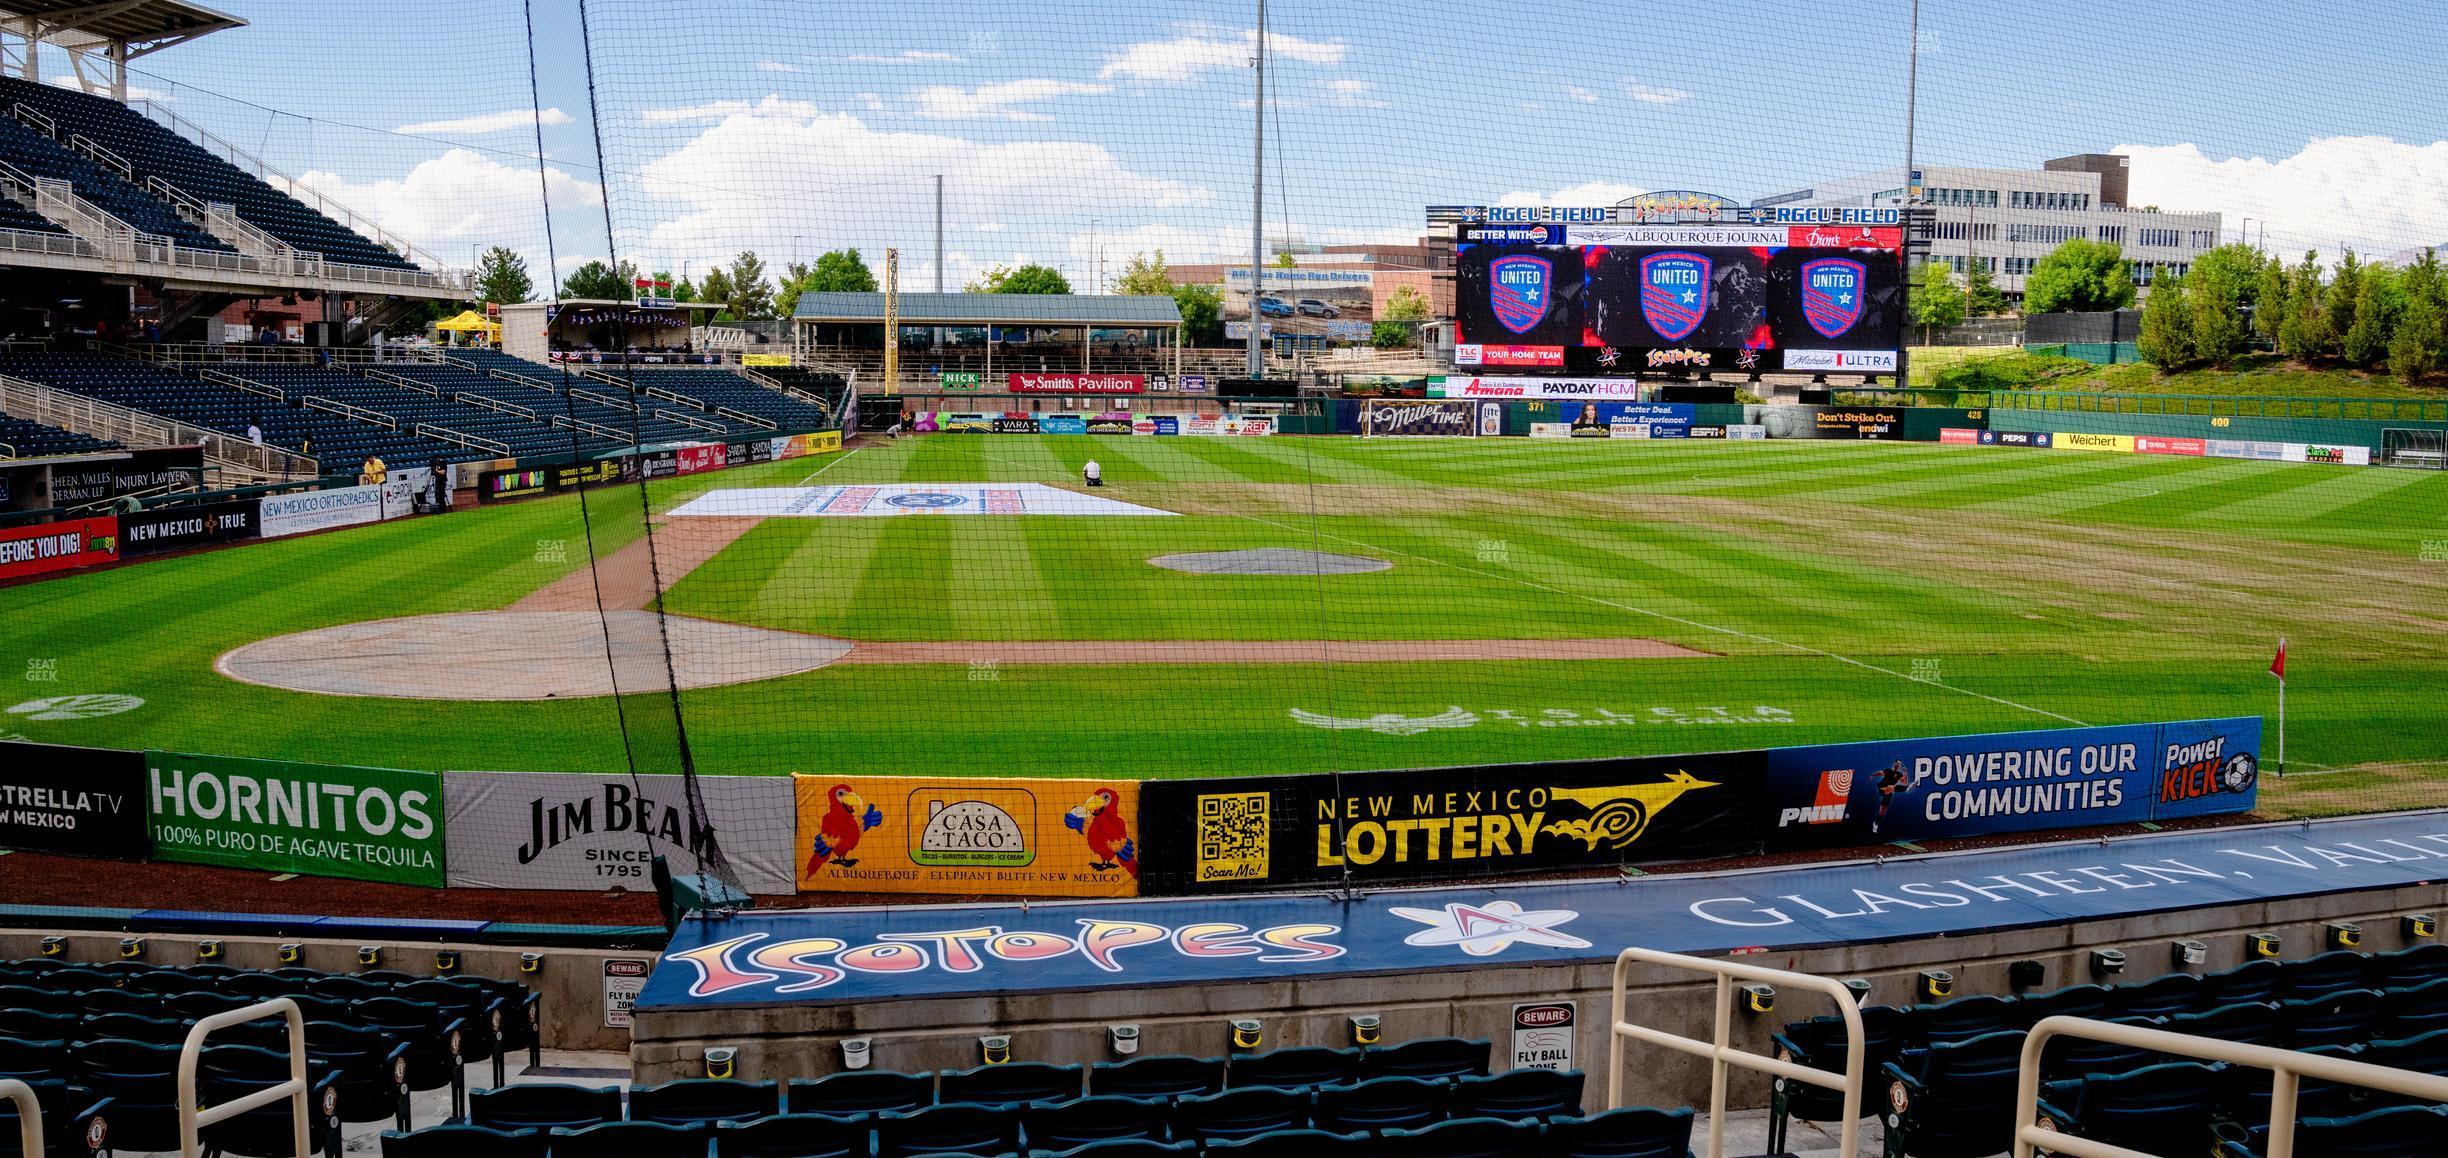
[845,457]
[1692,623]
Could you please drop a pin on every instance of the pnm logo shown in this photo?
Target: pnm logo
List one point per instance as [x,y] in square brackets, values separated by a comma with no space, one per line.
[1674,292]
[1519,288]
[1832,294]
[1827,806]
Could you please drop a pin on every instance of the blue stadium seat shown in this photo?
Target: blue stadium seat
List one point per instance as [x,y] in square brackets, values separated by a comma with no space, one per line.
[1519,1094]
[2072,1057]
[1299,1066]
[1819,1042]
[2390,1132]
[1963,1019]
[2250,981]
[2333,972]
[861,1092]
[544,1106]
[1240,1113]
[2407,968]
[1394,1103]
[1631,1132]
[1159,1075]
[1429,1057]
[795,1136]
[2164,1109]
[1011,1082]
[634,1140]
[2339,1017]
[464,1142]
[2416,1009]
[1468,1138]
[2093,1001]
[1955,1099]
[2249,1022]
[35,1061]
[949,1128]
[227,1073]
[2164,996]
[1132,1148]
[1295,1144]
[74,1121]
[1081,1121]
[691,1100]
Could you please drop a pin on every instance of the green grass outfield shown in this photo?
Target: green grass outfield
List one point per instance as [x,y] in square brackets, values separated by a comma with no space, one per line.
[1845,591]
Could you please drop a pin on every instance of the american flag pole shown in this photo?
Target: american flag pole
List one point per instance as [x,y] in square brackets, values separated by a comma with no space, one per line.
[2278,668]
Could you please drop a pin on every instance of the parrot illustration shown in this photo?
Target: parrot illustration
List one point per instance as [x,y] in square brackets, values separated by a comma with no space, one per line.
[838,836]
[1108,839]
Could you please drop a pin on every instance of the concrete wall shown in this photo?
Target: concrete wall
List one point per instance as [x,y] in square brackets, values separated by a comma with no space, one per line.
[570,980]
[804,1040]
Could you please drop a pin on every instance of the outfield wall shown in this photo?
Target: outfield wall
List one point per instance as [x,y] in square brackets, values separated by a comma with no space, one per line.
[965,835]
[2356,432]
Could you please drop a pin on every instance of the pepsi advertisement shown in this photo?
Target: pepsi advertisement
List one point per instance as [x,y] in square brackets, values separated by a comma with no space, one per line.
[1692,306]
[1890,790]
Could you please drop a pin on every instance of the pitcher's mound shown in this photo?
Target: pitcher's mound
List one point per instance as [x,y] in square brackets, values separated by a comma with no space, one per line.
[523,655]
[1269,561]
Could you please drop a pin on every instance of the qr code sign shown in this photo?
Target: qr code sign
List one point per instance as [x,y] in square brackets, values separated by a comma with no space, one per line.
[1233,837]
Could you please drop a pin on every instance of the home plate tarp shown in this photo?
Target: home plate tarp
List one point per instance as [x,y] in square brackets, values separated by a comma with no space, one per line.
[840,502]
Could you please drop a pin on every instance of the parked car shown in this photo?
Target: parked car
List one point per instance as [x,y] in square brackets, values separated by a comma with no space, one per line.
[1274,308]
[1318,309]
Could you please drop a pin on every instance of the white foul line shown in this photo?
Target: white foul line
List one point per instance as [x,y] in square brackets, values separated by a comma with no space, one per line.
[845,457]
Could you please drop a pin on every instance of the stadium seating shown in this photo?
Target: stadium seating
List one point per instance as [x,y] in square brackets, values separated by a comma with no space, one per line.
[21,438]
[544,1106]
[1084,1121]
[1161,1075]
[861,1092]
[2383,1133]
[2163,1109]
[1297,1067]
[154,150]
[794,1136]
[1011,1082]
[1631,1132]
[1467,1138]
[1957,1097]
[24,219]
[69,1117]
[458,1141]
[1428,1057]
[948,1128]
[1397,1103]
[40,156]
[633,1140]
[692,1100]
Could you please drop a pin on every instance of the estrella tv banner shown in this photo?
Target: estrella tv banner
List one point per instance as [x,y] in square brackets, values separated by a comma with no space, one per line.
[1889,790]
[963,834]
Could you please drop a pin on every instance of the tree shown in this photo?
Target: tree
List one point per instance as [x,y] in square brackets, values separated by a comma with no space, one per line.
[836,271]
[1388,334]
[717,288]
[2079,277]
[1284,260]
[501,277]
[1026,279]
[601,282]
[1145,277]
[1982,297]
[2345,294]
[2379,307]
[1202,311]
[1937,303]
[2223,283]
[750,296]
[2417,345]
[2167,338]
[2305,335]
[2272,299]
[1407,304]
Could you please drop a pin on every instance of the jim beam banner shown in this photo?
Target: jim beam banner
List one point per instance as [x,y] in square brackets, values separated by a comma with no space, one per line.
[370,824]
[1447,823]
[576,830]
[966,835]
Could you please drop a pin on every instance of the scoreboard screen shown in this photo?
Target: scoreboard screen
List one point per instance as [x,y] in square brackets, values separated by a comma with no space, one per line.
[1823,298]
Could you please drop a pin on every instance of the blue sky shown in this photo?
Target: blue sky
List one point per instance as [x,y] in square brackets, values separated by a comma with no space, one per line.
[797,128]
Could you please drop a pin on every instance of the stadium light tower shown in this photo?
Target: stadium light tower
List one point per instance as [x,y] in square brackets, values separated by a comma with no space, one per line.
[1257,356]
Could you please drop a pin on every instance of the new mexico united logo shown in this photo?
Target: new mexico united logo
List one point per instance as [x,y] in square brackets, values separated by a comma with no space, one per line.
[1832,294]
[1519,288]
[1674,292]
[1619,815]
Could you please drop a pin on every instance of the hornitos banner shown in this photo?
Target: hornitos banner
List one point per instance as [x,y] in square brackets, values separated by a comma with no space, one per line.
[575,830]
[958,834]
[1887,790]
[320,510]
[374,824]
[1448,823]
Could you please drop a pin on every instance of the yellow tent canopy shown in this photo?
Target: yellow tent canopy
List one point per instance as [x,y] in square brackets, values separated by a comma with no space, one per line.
[469,321]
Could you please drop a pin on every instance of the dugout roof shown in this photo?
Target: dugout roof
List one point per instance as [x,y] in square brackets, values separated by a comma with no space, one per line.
[142,25]
[932,309]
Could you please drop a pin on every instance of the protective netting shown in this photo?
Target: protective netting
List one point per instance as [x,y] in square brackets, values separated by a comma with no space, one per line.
[1620,392]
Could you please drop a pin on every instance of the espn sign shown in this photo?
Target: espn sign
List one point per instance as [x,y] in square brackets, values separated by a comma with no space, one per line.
[1076,383]
[1827,805]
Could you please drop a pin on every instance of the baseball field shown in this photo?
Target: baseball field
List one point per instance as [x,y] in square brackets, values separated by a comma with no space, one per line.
[1509,600]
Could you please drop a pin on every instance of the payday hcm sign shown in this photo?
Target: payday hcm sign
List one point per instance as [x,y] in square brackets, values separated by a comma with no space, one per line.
[372,824]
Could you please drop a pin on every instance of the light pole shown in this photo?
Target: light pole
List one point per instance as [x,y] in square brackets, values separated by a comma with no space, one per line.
[1912,92]
[1256,355]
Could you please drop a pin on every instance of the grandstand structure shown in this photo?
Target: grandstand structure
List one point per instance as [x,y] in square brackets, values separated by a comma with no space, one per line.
[127,204]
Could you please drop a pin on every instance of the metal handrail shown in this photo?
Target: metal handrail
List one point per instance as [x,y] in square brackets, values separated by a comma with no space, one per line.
[750,419]
[93,150]
[471,441]
[193,1119]
[352,412]
[29,1116]
[597,429]
[521,379]
[691,420]
[403,382]
[1720,1050]
[2287,1067]
[496,405]
[629,404]
[248,384]
[34,118]
[675,396]
[84,415]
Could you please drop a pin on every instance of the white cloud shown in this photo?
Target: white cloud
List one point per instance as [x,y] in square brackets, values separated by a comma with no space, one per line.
[461,197]
[709,111]
[776,66]
[911,56]
[1184,58]
[789,169]
[1581,94]
[500,122]
[1585,193]
[873,101]
[998,102]
[1354,94]
[1651,94]
[2373,193]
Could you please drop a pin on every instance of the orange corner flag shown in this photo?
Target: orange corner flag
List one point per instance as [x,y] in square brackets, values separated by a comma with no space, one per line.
[2278,664]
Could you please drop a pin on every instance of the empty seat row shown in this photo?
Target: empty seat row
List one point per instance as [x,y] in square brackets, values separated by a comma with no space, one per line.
[26,148]
[24,438]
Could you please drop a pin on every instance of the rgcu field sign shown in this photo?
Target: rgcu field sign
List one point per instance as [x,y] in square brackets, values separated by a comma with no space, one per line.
[375,824]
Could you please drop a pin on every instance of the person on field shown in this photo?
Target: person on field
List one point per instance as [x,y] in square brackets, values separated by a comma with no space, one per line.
[1093,474]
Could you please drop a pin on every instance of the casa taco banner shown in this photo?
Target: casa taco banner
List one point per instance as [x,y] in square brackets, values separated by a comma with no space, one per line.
[918,834]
